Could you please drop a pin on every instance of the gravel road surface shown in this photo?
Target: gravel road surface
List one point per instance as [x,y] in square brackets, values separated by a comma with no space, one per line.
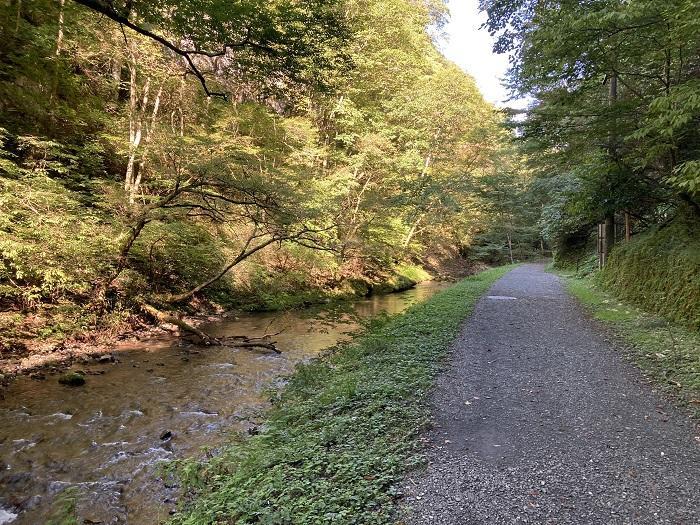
[538,419]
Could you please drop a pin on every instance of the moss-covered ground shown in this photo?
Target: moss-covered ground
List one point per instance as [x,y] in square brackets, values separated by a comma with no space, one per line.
[660,271]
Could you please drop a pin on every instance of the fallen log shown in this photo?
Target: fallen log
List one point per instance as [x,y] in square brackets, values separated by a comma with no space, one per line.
[238,341]
[164,317]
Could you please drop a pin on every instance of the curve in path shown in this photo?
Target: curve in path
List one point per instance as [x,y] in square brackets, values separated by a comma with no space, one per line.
[539,420]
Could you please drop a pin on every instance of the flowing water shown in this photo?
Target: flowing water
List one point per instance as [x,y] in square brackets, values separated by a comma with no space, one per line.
[102,442]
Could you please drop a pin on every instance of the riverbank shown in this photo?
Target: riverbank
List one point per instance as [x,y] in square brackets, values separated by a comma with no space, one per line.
[91,345]
[342,432]
[57,351]
[668,353]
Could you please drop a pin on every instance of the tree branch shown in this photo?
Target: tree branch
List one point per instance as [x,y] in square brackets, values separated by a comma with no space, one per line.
[105,8]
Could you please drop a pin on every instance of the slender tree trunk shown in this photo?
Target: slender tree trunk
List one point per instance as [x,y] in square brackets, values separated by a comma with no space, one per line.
[59,37]
[181,115]
[133,104]
[354,220]
[57,54]
[426,165]
[136,125]
[245,253]
[19,16]
[412,231]
[150,127]
[609,223]
[608,237]
[510,248]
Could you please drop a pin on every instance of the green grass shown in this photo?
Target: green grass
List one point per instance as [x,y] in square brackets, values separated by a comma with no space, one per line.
[344,430]
[667,353]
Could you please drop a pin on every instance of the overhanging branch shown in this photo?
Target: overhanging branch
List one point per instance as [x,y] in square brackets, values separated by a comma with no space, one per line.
[107,9]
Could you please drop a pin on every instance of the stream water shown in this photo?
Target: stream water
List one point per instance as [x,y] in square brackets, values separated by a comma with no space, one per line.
[104,441]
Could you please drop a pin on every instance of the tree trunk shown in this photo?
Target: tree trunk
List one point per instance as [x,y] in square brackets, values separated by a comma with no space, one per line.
[608,237]
[412,231]
[57,54]
[147,140]
[135,131]
[132,126]
[19,16]
[59,37]
[426,165]
[510,248]
[137,225]
[164,317]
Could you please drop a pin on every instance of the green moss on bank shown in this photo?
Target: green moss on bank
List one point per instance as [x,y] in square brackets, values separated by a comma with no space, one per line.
[666,352]
[266,291]
[660,271]
[343,432]
[404,276]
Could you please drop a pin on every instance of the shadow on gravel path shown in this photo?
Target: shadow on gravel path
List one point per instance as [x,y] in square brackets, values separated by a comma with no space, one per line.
[538,420]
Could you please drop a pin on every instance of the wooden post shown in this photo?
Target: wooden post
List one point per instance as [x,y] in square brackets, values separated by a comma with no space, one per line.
[628,227]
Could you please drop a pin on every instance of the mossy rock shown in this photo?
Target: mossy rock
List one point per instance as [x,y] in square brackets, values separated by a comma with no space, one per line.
[72,379]
[358,287]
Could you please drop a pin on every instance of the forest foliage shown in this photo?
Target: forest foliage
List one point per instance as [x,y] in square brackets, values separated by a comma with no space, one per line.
[234,153]
[613,126]
[612,135]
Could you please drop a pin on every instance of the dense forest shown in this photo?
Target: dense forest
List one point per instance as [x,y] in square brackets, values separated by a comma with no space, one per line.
[613,138]
[270,155]
[164,156]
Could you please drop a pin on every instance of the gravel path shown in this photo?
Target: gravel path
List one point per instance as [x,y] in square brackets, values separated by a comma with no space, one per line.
[539,420]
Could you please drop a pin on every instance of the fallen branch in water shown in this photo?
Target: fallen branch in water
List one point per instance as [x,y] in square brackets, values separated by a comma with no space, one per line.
[251,344]
[238,341]
[241,341]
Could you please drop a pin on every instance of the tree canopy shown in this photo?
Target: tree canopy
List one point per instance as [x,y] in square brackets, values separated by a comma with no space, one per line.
[342,146]
[614,127]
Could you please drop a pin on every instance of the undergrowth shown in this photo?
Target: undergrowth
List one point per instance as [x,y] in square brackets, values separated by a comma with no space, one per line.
[342,433]
[668,353]
[660,271]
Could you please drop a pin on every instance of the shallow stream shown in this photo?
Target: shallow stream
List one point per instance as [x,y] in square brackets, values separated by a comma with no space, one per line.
[160,401]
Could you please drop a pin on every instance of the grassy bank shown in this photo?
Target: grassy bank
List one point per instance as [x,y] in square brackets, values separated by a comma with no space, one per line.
[268,291]
[667,353]
[660,271]
[342,432]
